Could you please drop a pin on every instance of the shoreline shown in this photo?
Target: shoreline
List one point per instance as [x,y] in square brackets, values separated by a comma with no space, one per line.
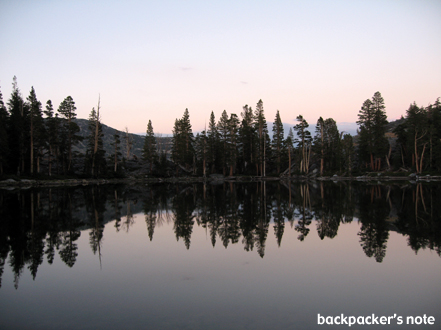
[215,179]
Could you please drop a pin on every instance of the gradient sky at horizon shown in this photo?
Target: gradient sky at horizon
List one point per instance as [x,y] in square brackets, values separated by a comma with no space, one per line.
[149,60]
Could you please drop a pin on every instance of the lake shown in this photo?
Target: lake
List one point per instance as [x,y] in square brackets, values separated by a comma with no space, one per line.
[229,256]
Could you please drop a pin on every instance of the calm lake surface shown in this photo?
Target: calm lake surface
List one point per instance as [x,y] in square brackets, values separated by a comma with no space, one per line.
[228,256]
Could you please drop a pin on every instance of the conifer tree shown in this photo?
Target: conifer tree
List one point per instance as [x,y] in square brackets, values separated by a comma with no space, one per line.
[247,140]
[95,154]
[115,157]
[212,144]
[201,150]
[233,128]
[183,142]
[289,147]
[372,144]
[263,146]
[37,130]
[4,146]
[319,142]
[18,129]
[52,128]
[278,141]
[348,152]
[303,143]
[150,153]
[70,129]
[223,130]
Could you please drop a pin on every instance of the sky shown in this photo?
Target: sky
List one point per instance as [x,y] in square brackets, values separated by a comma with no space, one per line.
[150,60]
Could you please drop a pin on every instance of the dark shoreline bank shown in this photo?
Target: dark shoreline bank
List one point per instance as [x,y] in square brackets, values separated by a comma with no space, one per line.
[27,183]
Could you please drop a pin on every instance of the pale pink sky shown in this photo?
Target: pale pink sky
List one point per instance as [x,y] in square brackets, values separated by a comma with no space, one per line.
[149,60]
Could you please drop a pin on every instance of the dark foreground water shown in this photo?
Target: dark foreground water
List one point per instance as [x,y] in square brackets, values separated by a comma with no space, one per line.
[243,256]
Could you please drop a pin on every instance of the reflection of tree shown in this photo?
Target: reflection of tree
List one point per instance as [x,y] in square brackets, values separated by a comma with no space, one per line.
[68,249]
[228,227]
[36,239]
[279,219]
[332,209]
[374,229]
[129,217]
[183,207]
[96,205]
[420,215]
[304,213]
[117,210]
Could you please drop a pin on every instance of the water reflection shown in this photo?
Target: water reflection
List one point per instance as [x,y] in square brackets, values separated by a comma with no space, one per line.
[43,222]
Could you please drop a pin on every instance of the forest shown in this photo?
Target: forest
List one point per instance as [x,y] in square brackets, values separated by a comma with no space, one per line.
[40,143]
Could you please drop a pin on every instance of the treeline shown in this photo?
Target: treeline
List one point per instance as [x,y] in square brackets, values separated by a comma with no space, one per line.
[31,136]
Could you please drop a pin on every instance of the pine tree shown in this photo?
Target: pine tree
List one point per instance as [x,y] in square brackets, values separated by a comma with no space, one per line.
[223,130]
[319,142]
[289,147]
[150,153]
[233,128]
[52,128]
[95,154]
[417,131]
[201,150]
[247,140]
[278,141]
[183,142]
[70,129]
[303,143]
[18,129]
[4,146]
[115,157]
[372,144]
[348,152]
[37,130]
[212,144]
[263,146]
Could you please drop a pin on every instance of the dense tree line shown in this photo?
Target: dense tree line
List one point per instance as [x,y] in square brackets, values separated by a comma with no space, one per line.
[233,145]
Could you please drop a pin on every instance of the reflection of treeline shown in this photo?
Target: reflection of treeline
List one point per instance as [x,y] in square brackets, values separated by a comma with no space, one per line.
[42,223]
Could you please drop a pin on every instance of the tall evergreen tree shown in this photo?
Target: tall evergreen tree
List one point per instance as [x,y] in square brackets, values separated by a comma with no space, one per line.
[264,142]
[290,149]
[233,128]
[115,157]
[201,150]
[212,144]
[150,153]
[303,143]
[319,142]
[95,153]
[347,152]
[223,130]
[52,128]
[183,142]
[37,130]
[70,129]
[278,141]
[4,143]
[247,141]
[18,129]
[372,144]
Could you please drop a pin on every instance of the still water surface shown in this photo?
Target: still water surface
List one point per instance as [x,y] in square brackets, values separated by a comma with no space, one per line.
[248,256]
